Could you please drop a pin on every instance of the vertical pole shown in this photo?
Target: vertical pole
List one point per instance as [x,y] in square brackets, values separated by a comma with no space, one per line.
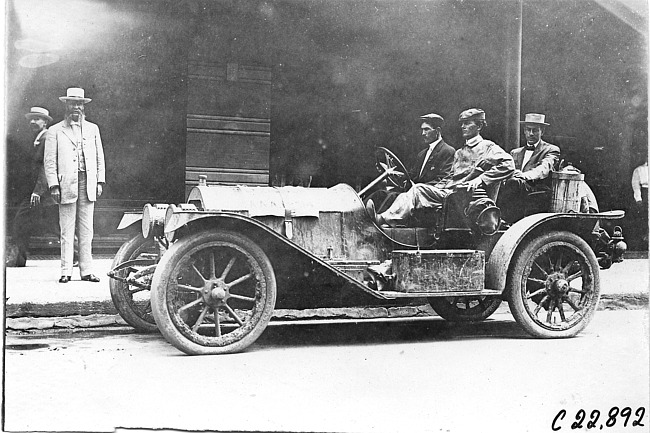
[513,78]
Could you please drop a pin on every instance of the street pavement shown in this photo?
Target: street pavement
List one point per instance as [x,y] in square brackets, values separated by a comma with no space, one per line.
[36,300]
[372,377]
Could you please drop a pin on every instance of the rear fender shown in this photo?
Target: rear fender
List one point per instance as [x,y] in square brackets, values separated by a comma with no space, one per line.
[498,264]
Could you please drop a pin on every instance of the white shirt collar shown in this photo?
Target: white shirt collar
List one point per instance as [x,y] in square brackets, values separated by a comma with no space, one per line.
[435,143]
[534,145]
[71,122]
[474,141]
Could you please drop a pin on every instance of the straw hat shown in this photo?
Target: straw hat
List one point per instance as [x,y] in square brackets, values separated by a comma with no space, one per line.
[38,112]
[534,119]
[74,94]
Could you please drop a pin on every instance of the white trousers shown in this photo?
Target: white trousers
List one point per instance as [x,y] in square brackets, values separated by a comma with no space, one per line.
[420,196]
[77,216]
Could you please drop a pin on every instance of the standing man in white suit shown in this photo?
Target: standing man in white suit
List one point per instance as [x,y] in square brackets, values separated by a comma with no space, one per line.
[75,173]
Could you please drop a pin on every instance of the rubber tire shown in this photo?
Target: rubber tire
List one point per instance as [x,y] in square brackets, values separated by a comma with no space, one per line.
[130,250]
[165,275]
[452,313]
[516,274]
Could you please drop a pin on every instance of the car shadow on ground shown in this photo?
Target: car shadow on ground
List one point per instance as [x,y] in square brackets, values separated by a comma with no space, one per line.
[306,334]
[385,332]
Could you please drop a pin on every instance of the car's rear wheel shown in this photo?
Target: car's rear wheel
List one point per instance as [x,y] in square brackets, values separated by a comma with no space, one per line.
[465,308]
[213,292]
[554,285]
[131,301]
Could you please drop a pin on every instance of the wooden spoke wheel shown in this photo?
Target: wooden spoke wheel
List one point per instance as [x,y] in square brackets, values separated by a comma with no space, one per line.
[465,308]
[213,292]
[554,285]
[133,301]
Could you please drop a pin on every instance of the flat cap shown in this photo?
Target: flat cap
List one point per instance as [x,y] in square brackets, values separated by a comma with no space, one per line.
[472,114]
[433,119]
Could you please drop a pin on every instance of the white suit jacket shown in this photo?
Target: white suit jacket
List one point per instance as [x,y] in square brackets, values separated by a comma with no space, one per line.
[60,160]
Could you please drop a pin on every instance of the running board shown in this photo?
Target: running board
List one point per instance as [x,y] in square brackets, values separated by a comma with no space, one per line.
[395,295]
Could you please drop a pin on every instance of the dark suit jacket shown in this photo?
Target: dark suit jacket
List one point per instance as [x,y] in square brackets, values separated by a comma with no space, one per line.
[437,167]
[544,159]
[38,169]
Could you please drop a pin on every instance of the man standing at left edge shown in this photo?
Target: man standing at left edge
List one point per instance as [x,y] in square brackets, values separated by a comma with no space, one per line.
[29,210]
[75,172]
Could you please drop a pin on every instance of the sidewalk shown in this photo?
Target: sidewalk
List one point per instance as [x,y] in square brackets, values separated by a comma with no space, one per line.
[36,300]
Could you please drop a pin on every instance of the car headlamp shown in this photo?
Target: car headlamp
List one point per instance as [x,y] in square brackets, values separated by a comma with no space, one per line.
[169,213]
[153,219]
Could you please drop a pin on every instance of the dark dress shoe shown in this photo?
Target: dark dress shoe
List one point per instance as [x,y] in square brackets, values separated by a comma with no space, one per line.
[372,212]
[91,278]
[64,279]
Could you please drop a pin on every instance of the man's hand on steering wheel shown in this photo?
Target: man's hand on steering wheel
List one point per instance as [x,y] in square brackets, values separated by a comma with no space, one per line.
[393,174]
[390,165]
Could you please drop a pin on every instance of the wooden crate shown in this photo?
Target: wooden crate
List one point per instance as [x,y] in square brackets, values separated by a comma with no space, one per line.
[435,271]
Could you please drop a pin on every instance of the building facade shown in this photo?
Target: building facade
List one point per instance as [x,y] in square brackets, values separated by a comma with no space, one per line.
[302,92]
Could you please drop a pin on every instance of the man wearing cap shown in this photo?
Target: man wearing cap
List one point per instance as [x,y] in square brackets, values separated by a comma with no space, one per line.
[533,165]
[479,165]
[74,167]
[434,162]
[31,209]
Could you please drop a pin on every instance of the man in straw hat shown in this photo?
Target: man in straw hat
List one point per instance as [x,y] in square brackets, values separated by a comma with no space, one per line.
[74,167]
[479,165]
[533,165]
[30,211]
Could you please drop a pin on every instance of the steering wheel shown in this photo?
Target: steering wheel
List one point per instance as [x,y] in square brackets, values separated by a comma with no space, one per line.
[395,172]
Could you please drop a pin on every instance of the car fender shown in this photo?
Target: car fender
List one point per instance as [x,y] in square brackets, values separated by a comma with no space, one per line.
[129,218]
[498,264]
[204,220]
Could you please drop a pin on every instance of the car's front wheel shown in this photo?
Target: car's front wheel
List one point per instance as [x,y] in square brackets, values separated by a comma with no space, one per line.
[132,301]
[213,292]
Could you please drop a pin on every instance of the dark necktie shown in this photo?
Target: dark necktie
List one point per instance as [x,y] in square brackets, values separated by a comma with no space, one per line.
[530,147]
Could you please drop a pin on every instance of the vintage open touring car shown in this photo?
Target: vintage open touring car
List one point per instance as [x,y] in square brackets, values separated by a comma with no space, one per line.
[209,273]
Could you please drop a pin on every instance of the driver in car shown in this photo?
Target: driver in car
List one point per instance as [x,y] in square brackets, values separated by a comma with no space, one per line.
[431,165]
[477,167]
[434,162]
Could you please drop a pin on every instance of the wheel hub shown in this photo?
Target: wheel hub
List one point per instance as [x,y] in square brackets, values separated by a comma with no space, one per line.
[215,292]
[557,286]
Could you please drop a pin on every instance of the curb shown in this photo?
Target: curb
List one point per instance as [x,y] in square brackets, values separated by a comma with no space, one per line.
[28,317]
[623,301]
